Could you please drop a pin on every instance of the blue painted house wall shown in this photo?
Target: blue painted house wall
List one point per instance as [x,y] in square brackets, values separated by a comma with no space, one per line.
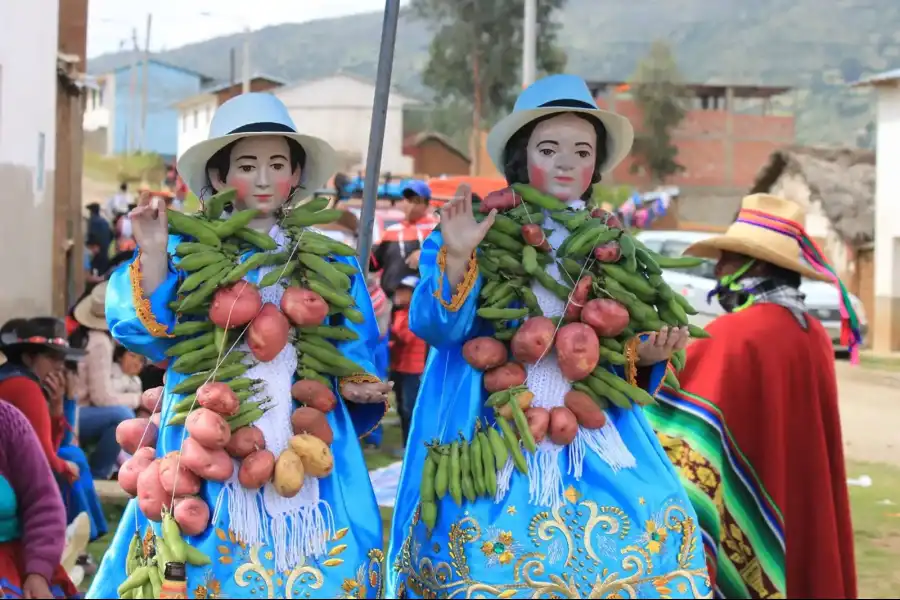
[166,85]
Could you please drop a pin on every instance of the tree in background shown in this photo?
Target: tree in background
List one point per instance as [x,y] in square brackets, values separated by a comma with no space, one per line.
[476,55]
[658,91]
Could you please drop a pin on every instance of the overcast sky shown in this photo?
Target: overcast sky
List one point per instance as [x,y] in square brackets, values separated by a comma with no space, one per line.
[180,22]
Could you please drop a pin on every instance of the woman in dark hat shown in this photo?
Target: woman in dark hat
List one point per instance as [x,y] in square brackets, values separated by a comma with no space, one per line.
[36,380]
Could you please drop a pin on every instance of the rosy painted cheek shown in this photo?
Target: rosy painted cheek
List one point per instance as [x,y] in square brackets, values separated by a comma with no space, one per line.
[537,177]
[283,189]
[585,176]
[242,188]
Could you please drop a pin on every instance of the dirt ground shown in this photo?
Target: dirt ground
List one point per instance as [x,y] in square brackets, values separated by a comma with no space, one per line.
[870,413]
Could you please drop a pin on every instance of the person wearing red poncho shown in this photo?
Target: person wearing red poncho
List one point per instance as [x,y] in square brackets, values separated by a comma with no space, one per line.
[754,428]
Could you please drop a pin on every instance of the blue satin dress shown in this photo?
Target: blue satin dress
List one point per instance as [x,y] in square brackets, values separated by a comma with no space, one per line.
[351,566]
[624,528]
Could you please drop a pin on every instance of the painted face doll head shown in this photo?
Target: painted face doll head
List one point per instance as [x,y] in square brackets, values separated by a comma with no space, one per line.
[263,170]
[560,155]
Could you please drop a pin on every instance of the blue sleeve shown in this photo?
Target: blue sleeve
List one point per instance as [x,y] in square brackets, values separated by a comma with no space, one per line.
[365,417]
[439,314]
[140,323]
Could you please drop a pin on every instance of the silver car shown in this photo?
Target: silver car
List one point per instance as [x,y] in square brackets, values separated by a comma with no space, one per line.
[822,299]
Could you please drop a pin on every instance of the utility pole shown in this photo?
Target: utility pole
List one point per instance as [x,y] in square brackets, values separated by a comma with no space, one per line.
[245,63]
[529,44]
[132,90]
[145,84]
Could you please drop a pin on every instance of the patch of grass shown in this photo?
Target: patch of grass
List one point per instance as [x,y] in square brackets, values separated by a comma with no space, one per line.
[880,363]
[133,168]
[876,529]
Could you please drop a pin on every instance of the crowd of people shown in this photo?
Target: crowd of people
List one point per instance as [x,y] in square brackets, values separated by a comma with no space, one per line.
[693,498]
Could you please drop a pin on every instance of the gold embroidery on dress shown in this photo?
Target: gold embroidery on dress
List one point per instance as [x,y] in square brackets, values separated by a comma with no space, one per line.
[142,304]
[462,290]
[304,580]
[564,536]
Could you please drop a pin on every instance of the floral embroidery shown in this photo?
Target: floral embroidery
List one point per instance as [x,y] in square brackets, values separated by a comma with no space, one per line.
[580,550]
[462,290]
[142,303]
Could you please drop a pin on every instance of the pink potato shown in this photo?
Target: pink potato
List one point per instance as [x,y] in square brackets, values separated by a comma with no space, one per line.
[175,477]
[151,400]
[208,428]
[235,305]
[484,353]
[152,498]
[315,394]
[244,441]
[218,397]
[606,316]
[533,340]
[192,515]
[563,426]
[578,350]
[212,465]
[268,333]
[132,434]
[133,467]
[257,469]
[304,307]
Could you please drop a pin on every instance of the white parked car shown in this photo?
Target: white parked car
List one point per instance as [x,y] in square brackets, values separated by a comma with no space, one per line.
[822,299]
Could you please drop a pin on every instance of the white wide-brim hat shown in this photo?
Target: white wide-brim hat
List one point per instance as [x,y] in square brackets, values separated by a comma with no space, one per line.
[557,94]
[250,115]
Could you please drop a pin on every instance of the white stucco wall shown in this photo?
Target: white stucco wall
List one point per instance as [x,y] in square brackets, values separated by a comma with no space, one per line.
[99,108]
[887,194]
[28,51]
[338,109]
[194,117]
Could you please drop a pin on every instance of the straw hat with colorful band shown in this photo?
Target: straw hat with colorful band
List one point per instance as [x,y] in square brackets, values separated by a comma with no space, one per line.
[41,332]
[91,311]
[251,115]
[558,94]
[768,229]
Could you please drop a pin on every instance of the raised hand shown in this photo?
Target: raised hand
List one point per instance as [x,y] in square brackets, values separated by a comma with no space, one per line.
[459,229]
[150,226]
[366,393]
[659,346]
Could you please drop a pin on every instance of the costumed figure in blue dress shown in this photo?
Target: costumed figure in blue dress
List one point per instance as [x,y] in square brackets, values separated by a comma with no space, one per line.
[532,471]
[254,483]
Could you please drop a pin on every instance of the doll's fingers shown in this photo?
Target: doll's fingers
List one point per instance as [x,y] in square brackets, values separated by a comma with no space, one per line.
[662,337]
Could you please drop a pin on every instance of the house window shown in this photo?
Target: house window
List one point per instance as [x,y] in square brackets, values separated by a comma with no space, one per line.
[208,114]
[184,122]
[196,118]
[39,171]
[100,96]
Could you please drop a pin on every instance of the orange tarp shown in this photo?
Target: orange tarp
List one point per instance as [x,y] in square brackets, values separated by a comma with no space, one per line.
[444,189]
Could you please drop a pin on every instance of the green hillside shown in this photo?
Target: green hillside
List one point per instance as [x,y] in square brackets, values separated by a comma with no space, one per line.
[816,46]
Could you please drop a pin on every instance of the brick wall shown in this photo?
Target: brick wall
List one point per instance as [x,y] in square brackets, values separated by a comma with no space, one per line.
[711,156]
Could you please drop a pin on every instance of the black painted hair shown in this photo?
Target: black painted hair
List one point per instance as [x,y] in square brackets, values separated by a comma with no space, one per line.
[515,155]
[221,161]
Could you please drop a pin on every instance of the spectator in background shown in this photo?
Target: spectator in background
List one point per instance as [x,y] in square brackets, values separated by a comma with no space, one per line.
[33,380]
[97,262]
[408,354]
[397,256]
[101,409]
[118,204]
[97,227]
[124,237]
[32,515]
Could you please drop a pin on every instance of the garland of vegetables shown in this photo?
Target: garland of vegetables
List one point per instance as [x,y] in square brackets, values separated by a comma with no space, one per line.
[613,291]
[217,311]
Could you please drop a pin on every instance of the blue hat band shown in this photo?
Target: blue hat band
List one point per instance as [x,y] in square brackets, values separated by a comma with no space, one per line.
[569,104]
[263,128]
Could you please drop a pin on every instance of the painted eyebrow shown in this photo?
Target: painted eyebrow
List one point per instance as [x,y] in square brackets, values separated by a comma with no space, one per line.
[281,156]
[554,142]
[588,144]
[246,156]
